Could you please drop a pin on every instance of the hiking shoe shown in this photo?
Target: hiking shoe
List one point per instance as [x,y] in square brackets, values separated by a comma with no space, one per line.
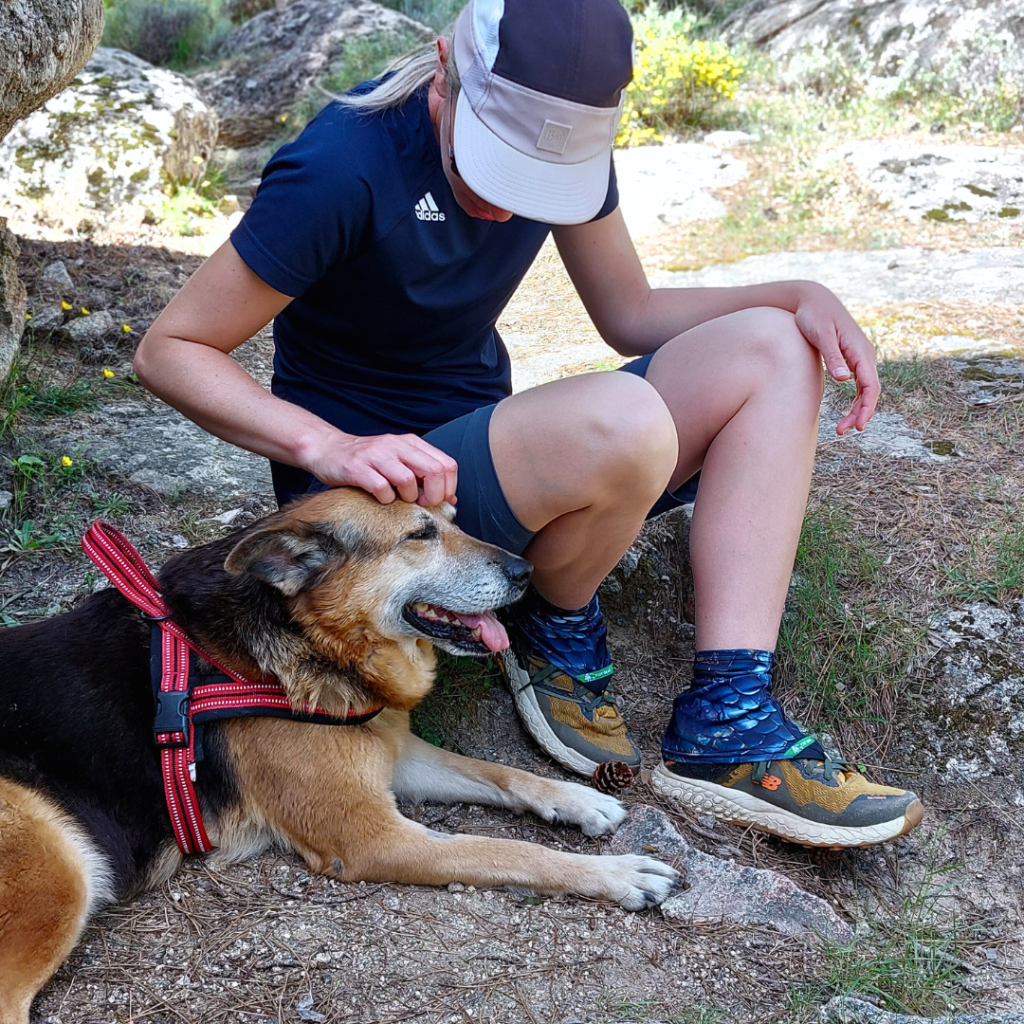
[807,801]
[580,729]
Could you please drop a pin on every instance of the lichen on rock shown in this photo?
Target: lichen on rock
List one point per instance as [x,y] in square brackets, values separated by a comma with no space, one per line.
[12,301]
[110,142]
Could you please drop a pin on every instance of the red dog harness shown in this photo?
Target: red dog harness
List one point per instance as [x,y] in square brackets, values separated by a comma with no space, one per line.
[185,701]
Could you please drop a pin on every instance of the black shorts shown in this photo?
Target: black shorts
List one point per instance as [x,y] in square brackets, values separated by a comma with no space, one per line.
[482,510]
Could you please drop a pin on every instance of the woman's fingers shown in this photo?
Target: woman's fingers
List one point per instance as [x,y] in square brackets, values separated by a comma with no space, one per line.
[819,329]
[404,466]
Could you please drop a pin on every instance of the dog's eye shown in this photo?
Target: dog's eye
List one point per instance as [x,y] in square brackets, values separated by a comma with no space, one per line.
[428,532]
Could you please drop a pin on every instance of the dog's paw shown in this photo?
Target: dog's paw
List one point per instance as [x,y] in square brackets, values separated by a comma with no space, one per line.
[636,883]
[596,814]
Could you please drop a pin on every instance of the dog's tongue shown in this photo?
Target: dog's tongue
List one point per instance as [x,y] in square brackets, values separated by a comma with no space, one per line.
[492,632]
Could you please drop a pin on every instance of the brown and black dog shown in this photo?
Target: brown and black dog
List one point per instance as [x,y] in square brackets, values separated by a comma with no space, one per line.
[340,598]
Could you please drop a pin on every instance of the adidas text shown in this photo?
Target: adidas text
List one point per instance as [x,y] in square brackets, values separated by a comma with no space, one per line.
[426,209]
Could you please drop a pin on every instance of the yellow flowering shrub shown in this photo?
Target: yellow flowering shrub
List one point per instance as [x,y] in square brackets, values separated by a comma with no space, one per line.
[677,80]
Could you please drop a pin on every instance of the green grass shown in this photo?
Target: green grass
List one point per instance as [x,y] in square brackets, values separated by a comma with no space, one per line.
[37,518]
[169,33]
[993,570]
[843,652]
[902,377]
[461,684]
[365,57]
[436,14]
[658,1009]
[181,212]
[60,399]
[111,506]
[910,963]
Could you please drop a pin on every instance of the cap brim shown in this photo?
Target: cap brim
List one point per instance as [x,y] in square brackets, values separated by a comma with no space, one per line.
[553,193]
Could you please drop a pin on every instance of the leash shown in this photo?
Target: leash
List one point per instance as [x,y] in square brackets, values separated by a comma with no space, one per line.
[183,701]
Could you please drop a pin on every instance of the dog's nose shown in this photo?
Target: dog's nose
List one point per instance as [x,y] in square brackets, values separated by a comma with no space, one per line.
[518,572]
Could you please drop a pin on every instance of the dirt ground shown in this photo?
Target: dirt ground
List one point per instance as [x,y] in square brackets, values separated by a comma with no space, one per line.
[940,914]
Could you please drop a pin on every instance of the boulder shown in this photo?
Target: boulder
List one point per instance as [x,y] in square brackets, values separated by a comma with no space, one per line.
[272,61]
[12,301]
[959,44]
[46,42]
[107,146]
[662,186]
[955,182]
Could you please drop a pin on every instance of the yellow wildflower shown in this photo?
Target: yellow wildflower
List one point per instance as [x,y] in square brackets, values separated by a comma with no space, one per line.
[65,462]
[65,306]
[107,373]
[126,328]
[86,312]
[28,316]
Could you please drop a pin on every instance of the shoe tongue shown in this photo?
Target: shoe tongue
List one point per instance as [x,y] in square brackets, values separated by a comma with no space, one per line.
[492,632]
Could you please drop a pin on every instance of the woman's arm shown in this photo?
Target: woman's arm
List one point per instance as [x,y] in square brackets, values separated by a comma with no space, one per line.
[185,360]
[635,318]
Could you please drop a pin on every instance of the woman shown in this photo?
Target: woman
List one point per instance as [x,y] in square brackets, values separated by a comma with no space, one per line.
[387,239]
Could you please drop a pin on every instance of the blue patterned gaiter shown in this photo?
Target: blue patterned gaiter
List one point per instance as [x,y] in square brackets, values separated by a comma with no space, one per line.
[574,641]
[728,716]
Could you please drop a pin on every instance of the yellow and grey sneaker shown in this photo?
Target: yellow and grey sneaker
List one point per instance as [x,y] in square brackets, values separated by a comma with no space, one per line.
[579,728]
[807,801]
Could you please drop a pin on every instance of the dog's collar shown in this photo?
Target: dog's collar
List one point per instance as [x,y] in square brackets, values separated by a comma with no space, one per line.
[184,701]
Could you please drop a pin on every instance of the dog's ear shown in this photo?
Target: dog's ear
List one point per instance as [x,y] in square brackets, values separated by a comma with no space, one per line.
[286,556]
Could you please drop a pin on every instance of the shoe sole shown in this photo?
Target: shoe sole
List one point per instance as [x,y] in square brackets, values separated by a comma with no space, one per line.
[743,809]
[542,733]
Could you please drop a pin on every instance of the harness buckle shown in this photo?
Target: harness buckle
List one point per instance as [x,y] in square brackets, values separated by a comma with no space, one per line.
[172,717]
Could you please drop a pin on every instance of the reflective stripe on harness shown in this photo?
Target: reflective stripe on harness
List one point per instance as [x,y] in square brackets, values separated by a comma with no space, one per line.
[183,703]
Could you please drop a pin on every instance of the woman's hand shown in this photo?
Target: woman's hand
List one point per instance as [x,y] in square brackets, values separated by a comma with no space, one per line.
[825,323]
[387,465]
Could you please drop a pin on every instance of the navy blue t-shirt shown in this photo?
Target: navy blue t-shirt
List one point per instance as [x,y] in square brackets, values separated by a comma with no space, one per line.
[397,290]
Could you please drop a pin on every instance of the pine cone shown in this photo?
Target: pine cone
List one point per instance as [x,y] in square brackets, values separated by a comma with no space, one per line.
[612,776]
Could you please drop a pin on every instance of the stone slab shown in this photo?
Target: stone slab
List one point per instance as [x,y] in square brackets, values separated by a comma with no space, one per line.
[993,274]
[723,891]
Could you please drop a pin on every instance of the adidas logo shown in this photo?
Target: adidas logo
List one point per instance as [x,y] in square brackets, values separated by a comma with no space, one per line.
[426,209]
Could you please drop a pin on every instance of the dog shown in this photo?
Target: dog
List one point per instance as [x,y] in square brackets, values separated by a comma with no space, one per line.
[342,600]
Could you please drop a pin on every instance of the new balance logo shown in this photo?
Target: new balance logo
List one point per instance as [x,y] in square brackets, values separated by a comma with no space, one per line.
[426,209]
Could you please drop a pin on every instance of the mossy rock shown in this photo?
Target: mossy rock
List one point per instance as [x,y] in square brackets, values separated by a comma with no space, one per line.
[118,136]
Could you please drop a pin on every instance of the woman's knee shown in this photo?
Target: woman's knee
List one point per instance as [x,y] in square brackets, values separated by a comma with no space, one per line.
[770,338]
[634,431]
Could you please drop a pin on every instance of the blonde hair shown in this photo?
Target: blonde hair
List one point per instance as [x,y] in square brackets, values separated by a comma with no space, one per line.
[403,77]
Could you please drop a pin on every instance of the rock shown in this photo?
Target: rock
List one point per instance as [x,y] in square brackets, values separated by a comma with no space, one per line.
[46,42]
[12,301]
[719,890]
[45,321]
[89,330]
[968,183]
[958,344]
[849,1010]
[978,666]
[272,61]
[227,518]
[55,278]
[988,380]
[957,45]
[6,497]
[240,11]
[155,446]
[988,274]
[888,433]
[664,185]
[724,139]
[108,145]
[654,577]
